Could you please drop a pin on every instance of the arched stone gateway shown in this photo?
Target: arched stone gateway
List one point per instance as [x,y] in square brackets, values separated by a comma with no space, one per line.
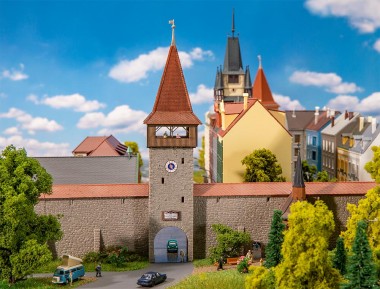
[168,253]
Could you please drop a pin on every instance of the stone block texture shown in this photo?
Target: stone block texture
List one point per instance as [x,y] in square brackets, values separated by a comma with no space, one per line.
[126,221]
[171,191]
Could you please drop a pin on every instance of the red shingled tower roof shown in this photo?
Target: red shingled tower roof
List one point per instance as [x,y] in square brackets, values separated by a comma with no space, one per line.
[172,105]
[261,91]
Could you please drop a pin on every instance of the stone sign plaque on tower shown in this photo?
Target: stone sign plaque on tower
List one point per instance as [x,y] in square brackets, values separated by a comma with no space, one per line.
[171,216]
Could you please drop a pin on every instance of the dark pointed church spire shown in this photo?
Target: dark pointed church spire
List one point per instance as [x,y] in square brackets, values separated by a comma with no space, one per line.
[232,59]
[233,23]
[247,78]
[298,191]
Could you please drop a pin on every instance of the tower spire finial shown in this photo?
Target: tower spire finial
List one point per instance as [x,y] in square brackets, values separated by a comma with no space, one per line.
[259,58]
[233,22]
[173,37]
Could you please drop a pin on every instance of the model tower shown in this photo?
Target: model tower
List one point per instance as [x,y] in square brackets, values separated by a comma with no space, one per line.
[172,130]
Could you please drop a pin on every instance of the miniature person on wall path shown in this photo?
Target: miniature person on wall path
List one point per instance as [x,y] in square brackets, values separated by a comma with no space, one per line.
[182,255]
[220,263]
[98,270]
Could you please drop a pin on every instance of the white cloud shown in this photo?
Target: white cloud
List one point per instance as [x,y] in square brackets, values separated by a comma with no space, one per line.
[41,124]
[31,124]
[286,103]
[370,104]
[15,75]
[74,101]
[376,46]
[36,148]
[12,131]
[122,119]
[199,54]
[331,82]
[202,95]
[362,14]
[138,68]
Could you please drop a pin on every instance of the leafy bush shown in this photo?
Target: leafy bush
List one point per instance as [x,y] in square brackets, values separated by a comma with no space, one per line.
[91,257]
[260,278]
[229,241]
[242,264]
[115,255]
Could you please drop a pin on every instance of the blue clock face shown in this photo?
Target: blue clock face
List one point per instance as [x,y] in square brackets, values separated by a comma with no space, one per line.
[171,166]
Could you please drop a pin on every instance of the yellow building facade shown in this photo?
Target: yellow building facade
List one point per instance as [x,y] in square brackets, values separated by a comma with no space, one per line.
[253,129]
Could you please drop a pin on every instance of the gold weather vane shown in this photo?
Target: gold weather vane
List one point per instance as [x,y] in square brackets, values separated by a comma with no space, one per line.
[173,26]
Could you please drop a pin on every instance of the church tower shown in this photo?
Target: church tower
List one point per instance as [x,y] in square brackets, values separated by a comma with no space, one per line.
[172,130]
[231,80]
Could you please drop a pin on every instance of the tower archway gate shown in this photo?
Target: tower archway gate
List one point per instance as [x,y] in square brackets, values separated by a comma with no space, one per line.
[169,244]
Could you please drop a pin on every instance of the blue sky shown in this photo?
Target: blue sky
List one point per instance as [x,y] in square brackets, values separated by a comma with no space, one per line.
[71,69]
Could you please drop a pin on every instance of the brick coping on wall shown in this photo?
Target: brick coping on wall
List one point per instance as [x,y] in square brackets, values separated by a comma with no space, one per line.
[280,189]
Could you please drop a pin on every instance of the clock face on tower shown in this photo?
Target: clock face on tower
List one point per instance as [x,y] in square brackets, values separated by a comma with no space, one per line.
[171,166]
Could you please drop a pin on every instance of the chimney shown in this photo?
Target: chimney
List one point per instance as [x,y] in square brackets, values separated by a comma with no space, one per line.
[332,121]
[223,114]
[328,112]
[245,95]
[374,124]
[316,114]
[332,112]
[361,123]
[345,114]
[294,113]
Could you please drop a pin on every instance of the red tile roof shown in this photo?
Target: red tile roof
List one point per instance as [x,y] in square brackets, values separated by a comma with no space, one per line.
[321,121]
[280,189]
[262,92]
[172,105]
[100,146]
[233,108]
[210,190]
[251,102]
[97,191]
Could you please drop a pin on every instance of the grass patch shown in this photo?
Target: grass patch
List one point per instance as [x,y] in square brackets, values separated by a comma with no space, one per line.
[228,279]
[202,262]
[129,266]
[44,283]
[48,267]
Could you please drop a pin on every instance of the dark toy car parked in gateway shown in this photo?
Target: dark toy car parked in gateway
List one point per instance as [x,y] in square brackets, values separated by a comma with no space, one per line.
[151,278]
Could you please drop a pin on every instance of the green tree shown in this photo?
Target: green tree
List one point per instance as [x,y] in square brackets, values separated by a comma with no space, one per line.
[309,172]
[201,160]
[373,166]
[135,149]
[276,238]
[305,256]
[262,166]
[322,176]
[340,257]
[23,233]
[361,268]
[229,241]
[261,278]
[367,209]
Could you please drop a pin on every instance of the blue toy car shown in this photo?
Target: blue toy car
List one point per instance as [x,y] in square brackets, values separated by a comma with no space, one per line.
[149,279]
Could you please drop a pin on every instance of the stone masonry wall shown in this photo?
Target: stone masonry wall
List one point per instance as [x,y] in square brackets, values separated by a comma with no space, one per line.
[125,221]
[254,215]
[92,224]
[171,191]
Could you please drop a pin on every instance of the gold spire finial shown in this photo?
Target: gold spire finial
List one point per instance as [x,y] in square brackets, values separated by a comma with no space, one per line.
[173,26]
[259,58]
